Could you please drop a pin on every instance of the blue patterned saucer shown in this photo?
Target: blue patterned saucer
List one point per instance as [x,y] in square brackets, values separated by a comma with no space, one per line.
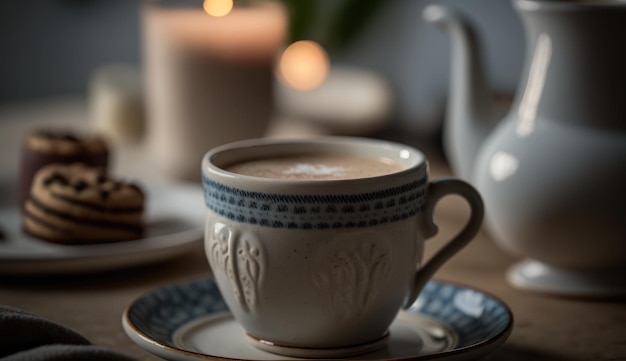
[190,321]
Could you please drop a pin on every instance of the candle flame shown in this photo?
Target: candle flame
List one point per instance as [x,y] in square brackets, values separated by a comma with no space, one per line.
[218,8]
[304,65]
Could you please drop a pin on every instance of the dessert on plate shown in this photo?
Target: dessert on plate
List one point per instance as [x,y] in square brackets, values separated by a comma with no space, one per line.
[80,204]
[43,147]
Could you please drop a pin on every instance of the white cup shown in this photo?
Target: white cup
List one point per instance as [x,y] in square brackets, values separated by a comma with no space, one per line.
[320,268]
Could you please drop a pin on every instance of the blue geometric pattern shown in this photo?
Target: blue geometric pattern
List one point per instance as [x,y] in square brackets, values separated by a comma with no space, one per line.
[160,313]
[474,316]
[316,211]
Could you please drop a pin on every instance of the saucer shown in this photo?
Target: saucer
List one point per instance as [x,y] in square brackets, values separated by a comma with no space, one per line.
[190,321]
[535,276]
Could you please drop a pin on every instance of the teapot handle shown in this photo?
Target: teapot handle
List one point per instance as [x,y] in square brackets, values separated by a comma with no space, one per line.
[438,189]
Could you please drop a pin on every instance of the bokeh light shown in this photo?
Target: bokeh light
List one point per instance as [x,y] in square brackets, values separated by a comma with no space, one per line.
[218,8]
[304,65]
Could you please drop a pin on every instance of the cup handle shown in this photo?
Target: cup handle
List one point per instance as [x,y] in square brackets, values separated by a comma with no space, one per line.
[438,189]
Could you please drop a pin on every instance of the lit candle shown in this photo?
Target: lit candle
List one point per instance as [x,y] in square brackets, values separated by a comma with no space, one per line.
[218,8]
[208,78]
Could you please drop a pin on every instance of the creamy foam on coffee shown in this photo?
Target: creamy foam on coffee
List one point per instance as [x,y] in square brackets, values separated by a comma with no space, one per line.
[317,166]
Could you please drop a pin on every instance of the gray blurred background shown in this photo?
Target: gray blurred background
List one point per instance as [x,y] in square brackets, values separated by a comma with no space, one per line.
[51,47]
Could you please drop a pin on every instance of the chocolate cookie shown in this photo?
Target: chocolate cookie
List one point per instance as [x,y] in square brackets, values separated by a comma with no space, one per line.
[79,204]
[46,147]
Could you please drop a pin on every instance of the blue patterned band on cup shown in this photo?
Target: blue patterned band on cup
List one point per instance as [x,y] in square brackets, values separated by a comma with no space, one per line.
[316,211]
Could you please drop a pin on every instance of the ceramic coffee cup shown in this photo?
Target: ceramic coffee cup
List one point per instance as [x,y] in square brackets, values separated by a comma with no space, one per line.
[316,259]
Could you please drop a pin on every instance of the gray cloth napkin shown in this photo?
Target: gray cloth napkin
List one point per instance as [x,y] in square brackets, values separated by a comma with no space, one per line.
[28,337]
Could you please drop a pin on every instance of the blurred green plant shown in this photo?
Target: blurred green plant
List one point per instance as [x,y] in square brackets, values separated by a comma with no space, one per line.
[343,23]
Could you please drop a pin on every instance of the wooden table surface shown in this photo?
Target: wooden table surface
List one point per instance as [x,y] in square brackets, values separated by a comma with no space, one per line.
[545,328]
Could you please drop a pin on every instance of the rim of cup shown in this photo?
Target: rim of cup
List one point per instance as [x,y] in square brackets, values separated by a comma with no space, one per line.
[216,159]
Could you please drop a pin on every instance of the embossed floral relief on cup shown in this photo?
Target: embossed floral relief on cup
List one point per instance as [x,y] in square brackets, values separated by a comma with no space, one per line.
[349,273]
[240,256]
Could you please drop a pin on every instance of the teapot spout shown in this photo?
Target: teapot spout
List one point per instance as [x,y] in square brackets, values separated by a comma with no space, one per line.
[469,114]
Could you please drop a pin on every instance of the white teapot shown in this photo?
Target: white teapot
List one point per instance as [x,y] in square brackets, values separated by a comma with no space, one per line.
[553,171]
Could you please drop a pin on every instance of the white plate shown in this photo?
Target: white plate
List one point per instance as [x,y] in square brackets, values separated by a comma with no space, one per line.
[174,224]
[190,321]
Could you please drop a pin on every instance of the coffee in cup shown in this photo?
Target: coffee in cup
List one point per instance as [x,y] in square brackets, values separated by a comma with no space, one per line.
[316,166]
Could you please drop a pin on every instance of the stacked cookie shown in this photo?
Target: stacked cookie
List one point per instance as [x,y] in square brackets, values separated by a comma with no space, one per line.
[70,199]
[76,203]
[44,147]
